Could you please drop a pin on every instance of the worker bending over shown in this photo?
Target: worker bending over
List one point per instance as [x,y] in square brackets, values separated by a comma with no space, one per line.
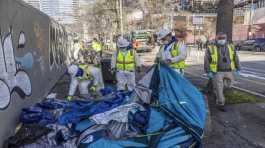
[87,78]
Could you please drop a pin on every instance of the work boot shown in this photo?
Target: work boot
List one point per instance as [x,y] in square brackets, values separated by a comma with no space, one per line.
[221,108]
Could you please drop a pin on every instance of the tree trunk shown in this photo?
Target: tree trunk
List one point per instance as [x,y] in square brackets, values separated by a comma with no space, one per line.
[225,18]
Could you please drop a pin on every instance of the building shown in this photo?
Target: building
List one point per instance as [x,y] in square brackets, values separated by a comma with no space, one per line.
[253,24]
[63,11]
[34,3]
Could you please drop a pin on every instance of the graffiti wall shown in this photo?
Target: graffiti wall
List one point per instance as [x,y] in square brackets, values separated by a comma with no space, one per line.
[58,45]
[12,75]
[32,59]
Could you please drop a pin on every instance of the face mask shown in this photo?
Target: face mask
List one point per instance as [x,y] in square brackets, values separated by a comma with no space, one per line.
[123,49]
[221,42]
[164,42]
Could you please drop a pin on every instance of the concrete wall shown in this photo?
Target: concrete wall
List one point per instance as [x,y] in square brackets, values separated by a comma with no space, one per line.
[26,73]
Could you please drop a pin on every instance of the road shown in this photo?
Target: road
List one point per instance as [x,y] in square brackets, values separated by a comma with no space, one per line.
[252,77]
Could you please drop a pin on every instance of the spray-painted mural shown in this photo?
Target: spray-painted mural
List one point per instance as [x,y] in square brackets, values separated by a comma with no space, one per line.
[58,46]
[12,69]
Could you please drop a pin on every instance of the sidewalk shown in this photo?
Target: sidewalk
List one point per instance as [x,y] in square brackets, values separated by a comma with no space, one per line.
[242,126]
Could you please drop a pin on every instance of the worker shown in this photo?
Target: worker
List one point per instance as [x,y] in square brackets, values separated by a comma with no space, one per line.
[96,46]
[172,52]
[88,78]
[125,62]
[135,44]
[221,60]
[96,51]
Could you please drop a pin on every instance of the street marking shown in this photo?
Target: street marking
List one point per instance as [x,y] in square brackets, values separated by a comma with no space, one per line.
[251,72]
[254,69]
[248,91]
[236,87]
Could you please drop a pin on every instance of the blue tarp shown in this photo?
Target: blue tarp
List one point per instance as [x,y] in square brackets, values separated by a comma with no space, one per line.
[77,114]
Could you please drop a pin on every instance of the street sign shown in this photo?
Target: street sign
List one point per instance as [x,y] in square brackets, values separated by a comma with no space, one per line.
[197,20]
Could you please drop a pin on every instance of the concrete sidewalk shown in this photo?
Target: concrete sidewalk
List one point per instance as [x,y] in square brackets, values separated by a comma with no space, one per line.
[242,126]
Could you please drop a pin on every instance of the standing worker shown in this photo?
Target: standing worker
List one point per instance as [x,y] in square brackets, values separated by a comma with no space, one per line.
[135,44]
[96,46]
[172,52]
[125,62]
[97,51]
[221,60]
[88,78]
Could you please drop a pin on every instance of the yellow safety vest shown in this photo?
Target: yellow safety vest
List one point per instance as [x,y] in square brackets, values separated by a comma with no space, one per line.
[175,52]
[127,62]
[96,46]
[214,57]
[86,72]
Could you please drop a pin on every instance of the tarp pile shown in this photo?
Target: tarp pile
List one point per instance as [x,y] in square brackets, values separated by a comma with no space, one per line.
[164,111]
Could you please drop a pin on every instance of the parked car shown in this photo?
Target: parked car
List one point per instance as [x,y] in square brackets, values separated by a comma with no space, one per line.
[257,45]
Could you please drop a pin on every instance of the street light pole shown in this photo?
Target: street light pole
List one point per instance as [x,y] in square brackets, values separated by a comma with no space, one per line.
[121,18]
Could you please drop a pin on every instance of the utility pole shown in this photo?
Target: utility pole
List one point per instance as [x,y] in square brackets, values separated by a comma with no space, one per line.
[121,18]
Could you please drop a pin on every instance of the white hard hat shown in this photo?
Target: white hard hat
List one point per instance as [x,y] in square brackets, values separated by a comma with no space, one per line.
[72,70]
[122,42]
[163,32]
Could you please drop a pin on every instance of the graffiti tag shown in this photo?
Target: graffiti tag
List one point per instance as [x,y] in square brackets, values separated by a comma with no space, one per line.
[12,76]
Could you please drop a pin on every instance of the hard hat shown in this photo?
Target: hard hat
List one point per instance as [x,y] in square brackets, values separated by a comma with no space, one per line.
[163,32]
[72,70]
[122,42]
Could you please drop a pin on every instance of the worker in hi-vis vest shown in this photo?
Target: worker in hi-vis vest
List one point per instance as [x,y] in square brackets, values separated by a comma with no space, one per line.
[220,62]
[172,52]
[125,62]
[87,78]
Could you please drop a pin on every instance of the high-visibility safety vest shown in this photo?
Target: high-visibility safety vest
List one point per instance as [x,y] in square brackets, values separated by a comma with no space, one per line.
[127,62]
[214,57]
[174,51]
[86,72]
[96,46]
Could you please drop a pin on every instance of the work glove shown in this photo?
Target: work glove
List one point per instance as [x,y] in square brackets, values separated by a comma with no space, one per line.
[237,73]
[210,75]
[69,98]
[93,88]
[168,61]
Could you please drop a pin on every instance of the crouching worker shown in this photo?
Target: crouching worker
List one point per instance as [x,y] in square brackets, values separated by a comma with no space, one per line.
[87,78]
[125,62]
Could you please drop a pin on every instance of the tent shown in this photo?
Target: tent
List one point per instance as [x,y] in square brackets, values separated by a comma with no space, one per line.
[176,112]
[164,111]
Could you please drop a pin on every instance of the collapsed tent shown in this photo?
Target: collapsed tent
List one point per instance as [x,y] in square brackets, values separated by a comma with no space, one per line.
[165,110]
